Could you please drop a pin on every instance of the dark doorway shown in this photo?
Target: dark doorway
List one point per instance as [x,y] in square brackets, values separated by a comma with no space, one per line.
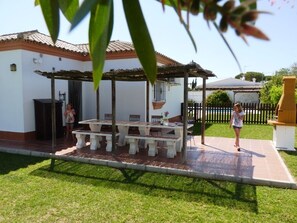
[75,97]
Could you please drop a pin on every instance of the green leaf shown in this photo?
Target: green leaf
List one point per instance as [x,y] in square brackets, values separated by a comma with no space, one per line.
[109,28]
[169,2]
[173,4]
[110,25]
[252,4]
[99,34]
[50,10]
[82,12]
[141,38]
[228,45]
[69,8]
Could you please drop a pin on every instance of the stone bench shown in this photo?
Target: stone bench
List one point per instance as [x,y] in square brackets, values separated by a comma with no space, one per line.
[94,139]
[151,140]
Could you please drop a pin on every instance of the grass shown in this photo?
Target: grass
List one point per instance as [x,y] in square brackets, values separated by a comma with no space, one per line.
[75,192]
[248,131]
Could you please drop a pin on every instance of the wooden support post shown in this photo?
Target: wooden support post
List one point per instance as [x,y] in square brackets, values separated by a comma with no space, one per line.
[147,101]
[203,111]
[185,112]
[97,104]
[53,107]
[113,110]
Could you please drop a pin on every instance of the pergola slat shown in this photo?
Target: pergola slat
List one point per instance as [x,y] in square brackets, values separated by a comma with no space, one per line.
[137,74]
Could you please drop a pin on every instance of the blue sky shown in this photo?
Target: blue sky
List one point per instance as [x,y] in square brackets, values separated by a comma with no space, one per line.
[171,39]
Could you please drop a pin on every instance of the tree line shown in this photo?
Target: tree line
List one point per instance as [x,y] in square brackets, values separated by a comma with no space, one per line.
[272,89]
[270,93]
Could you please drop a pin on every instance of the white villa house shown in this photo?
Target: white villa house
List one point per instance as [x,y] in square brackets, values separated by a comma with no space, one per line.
[238,90]
[21,54]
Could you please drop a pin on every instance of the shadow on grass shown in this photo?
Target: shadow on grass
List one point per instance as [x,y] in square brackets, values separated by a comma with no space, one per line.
[226,194]
[11,162]
[291,161]
[290,153]
[197,128]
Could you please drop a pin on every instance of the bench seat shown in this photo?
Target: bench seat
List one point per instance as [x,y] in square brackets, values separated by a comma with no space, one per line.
[94,139]
[151,140]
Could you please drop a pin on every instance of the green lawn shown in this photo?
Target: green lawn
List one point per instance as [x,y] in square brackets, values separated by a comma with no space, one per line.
[248,131]
[75,192]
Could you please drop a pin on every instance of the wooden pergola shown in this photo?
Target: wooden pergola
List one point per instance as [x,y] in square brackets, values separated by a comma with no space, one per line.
[191,70]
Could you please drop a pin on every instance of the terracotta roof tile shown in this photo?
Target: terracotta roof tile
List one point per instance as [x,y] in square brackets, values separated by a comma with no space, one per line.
[115,46]
[119,46]
[35,36]
[83,47]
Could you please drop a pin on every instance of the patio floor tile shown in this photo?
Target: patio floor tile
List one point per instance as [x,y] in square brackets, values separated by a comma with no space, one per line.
[257,163]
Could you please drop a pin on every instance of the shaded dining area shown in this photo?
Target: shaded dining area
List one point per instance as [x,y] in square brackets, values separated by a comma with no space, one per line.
[169,136]
[119,132]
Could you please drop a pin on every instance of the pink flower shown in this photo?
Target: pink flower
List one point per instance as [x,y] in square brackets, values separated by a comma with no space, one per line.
[166,113]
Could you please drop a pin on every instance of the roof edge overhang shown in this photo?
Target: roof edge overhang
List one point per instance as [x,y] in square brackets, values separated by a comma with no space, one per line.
[137,74]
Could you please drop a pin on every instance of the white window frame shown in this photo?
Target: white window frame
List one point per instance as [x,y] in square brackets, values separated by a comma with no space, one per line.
[159,91]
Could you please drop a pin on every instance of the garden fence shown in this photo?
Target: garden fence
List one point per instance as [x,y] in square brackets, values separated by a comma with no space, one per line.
[255,113]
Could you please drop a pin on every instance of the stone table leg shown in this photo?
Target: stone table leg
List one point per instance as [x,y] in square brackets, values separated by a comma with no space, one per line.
[80,140]
[171,149]
[123,132]
[133,148]
[179,144]
[109,143]
[143,130]
[94,140]
[152,147]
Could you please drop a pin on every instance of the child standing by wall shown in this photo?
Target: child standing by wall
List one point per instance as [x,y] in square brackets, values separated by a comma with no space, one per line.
[236,122]
[69,119]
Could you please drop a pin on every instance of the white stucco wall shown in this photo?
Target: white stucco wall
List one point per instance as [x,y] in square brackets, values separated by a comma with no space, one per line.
[44,84]
[127,101]
[195,96]
[239,97]
[18,89]
[11,103]
[174,98]
[247,97]
[122,95]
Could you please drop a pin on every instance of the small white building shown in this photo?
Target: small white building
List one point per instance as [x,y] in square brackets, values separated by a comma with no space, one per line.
[238,90]
[23,53]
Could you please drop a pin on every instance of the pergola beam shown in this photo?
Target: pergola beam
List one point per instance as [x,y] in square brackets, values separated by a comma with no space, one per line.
[163,72]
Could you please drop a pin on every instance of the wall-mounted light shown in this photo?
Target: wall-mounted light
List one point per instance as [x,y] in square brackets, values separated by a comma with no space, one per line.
[13,67]
[62,96]
[38,60]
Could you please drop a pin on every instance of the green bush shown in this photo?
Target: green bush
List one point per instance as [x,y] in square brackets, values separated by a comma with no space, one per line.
[275,94]
[218,98]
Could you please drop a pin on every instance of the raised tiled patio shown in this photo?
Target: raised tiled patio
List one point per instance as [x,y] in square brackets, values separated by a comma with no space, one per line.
[257,163]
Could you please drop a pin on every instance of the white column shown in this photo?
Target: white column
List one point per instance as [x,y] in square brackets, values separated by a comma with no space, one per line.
[284,137]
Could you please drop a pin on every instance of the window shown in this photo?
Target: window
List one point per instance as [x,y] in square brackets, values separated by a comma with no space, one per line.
[159,91]
[171,80]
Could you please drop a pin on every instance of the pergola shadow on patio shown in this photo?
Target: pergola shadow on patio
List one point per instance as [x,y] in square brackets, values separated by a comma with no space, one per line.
[215,159]
[163,73]
[259,163]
